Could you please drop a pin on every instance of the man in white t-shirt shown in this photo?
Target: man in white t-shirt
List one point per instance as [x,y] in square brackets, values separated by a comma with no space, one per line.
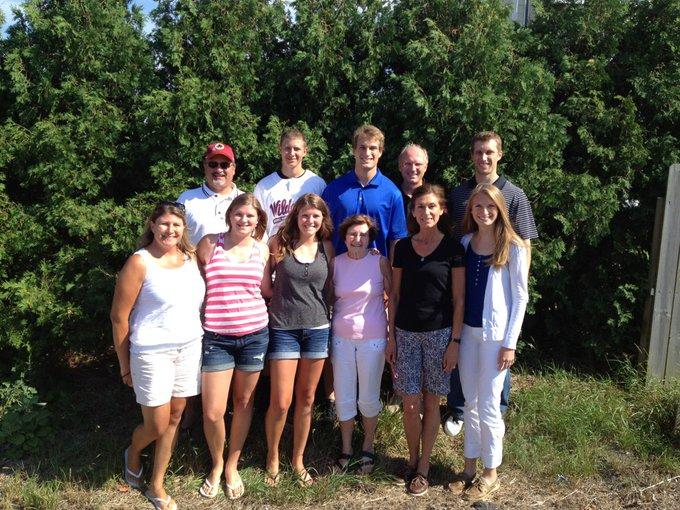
[278,191]
[206,206]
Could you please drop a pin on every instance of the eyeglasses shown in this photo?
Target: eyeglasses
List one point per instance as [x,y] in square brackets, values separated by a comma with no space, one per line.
[222,164]
[169,203]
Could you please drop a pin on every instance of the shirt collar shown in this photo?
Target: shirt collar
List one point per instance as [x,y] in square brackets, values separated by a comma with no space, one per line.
[210,193]
[373,183]
[499,183]
[284,176]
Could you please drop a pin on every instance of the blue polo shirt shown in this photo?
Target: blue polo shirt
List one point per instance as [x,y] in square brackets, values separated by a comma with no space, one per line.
[380,199]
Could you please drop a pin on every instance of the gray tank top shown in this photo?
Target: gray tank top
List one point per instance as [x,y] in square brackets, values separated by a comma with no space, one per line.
[300,299]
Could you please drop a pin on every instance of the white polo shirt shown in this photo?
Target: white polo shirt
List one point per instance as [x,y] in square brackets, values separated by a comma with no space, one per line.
[206,210]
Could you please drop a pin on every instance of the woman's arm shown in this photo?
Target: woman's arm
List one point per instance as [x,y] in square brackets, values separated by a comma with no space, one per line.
[266,283]
[391,349]
[518,269]
[386,271]
[205,249]
[128,285]
[458,297]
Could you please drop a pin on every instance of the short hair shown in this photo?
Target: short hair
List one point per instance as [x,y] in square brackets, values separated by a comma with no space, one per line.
[289,133]
[249,199]
[414,146]
[368,131]
[504,234]
[485,136]
[359,219]
[444,223]
[167,207]
[289,233]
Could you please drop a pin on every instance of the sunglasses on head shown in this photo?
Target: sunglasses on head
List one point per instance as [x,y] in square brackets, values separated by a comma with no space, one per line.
[169,203]
[222,164]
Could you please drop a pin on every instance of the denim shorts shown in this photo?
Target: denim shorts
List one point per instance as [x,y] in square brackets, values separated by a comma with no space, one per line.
[225,352]
[298,343]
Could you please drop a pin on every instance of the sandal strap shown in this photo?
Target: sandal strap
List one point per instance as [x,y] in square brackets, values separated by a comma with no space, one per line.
[367,458]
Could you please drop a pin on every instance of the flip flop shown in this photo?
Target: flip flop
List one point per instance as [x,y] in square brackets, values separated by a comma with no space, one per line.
[272,479]
[133,479]
[160,503]
[235,491]
[303,478]
[209,490]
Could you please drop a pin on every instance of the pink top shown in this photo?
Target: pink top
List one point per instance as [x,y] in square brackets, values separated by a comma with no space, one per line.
[359,310]
[234,304]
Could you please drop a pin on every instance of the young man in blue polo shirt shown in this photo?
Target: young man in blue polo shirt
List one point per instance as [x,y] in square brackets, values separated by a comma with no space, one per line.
[486,151]
[365,190]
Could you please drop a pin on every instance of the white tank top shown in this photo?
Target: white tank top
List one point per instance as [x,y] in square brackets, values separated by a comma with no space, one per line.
[167,313]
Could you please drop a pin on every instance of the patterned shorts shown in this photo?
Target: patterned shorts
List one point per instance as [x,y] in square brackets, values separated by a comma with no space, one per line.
[420,359]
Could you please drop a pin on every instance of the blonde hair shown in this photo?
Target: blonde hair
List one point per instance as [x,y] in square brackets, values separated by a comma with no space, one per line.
[368,131]
[167,207]
[249,199]
[504,234]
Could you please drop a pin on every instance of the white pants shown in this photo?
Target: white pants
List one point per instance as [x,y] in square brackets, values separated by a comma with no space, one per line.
[482,384]
[359,361]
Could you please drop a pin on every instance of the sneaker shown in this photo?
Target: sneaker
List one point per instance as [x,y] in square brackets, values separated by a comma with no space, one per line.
[481,489]
[404,476]
[418,486]
[453,426]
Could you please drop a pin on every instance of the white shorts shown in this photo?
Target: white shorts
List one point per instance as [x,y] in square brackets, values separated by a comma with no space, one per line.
[160,375]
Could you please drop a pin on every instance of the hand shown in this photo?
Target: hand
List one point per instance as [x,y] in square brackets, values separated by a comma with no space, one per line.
[391,351]
[127,379]
[506,357]
[451,356]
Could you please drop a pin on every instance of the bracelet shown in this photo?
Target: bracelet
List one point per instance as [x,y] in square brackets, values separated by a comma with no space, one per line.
[124,375]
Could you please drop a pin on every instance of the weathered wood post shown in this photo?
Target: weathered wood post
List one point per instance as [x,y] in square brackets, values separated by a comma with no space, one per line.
[664,343]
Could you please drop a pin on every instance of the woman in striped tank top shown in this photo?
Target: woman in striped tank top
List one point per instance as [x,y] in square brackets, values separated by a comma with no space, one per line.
[236,334]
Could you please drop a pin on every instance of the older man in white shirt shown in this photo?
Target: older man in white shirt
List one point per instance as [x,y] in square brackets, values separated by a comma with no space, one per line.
[206,206]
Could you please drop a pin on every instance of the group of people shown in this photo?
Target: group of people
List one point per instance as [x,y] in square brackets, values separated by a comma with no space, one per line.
[357,272]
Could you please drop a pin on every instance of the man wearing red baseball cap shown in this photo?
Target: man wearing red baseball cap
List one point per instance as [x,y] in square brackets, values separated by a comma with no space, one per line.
[207,205]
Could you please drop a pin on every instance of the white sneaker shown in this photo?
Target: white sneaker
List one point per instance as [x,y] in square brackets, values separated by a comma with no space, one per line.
[453,426]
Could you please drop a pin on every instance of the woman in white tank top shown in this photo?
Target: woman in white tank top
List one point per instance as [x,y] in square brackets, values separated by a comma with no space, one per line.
[157,335]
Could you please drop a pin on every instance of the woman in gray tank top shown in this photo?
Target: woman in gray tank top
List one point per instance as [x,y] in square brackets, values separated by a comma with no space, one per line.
[299,327]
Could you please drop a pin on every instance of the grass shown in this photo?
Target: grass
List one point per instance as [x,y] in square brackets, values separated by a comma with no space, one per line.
[560,424]
[575,426]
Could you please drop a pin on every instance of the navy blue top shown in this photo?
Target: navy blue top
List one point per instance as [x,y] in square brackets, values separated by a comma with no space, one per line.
[380,199]
[476,275]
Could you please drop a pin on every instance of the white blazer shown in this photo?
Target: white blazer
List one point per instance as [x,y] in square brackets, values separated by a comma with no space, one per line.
[505,297]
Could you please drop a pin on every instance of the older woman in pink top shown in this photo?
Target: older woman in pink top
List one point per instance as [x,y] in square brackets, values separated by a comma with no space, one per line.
[360,281]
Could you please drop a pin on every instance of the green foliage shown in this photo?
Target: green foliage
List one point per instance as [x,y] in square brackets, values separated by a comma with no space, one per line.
[25,423]
[99,120]
[573,426]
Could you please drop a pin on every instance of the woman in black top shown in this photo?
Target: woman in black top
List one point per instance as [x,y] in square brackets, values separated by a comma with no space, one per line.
[426,317]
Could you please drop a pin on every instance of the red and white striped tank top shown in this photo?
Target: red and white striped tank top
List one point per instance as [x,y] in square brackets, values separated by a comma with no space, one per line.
[234,304]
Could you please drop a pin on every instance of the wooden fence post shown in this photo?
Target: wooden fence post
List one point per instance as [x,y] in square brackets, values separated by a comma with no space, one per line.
[664,342]
[646,329]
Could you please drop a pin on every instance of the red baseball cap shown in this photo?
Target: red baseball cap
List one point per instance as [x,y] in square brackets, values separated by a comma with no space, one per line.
[219,149]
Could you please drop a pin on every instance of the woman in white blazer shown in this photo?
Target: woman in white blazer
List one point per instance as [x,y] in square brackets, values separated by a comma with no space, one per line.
[496,295]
